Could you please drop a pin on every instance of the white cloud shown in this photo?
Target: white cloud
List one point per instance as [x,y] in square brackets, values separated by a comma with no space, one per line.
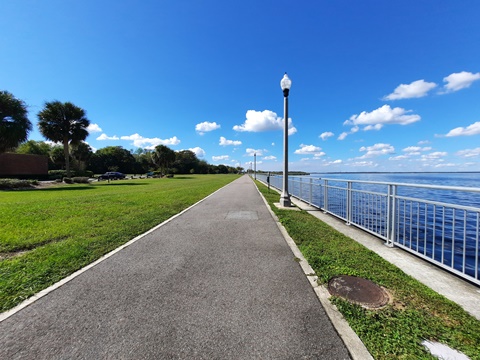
[343,135]
[150,143]
[399,157]
[423,142]
[221,157]
[445,165]
[382,116]
[415,150]
[376,150]
[105,137]
[326,135]
[458,81]
[310,150]
[271,157]
[373,127]
[467,153]
[415,89]
[434,156]
[364,164]
[198,151]
[336,161]
[225,142]
[257,121]
[206,126]
[251,152]
[473,129]
[93,128]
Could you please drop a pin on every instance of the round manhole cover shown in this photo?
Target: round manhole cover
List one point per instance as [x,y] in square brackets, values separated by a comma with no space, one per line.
[358,290]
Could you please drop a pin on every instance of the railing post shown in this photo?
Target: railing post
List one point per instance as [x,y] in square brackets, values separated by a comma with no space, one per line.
[300,195]
[349,202]
[311,190]
[391,221]
[325,195]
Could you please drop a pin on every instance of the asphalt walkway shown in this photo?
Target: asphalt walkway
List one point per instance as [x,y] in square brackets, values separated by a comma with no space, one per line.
[217,282]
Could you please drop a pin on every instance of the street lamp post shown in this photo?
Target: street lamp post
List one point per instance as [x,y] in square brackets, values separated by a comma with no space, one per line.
[285,84]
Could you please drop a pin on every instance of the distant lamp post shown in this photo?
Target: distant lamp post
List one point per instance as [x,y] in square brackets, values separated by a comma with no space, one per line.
[255,166]
[285,84]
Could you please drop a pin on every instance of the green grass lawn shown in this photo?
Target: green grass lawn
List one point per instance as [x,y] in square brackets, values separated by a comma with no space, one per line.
[47,234]
[396,331]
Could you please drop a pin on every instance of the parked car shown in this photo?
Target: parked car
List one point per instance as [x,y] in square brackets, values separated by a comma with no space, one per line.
[111,175]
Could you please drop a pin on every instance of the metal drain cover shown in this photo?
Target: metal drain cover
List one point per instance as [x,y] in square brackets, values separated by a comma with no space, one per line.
[358,290]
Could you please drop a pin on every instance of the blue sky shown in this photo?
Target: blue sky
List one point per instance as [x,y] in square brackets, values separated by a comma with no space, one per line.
[376,85]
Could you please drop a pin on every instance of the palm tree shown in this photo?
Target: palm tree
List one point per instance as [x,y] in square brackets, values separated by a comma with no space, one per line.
[14,124]
[163,156]
[64,123]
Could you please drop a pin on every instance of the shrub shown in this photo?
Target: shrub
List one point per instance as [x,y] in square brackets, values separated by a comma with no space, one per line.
[8,184]
[57,174]
[80,180]
[67,180]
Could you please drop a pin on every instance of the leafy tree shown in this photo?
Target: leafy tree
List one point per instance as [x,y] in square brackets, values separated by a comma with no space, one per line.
[163,156]
[185,161]
[222,169]
[112,158]
[14,123]
[81,153]
[57,158]
[34,147]
[64,123]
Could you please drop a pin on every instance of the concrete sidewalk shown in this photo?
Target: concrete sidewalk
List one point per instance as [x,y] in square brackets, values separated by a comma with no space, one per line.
[217,282]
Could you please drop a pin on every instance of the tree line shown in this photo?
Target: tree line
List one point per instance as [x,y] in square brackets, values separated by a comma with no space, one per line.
[66,124]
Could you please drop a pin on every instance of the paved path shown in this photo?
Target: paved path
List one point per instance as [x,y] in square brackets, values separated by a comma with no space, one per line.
[217,282]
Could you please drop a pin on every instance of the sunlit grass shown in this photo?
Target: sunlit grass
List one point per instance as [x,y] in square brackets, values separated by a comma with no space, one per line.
[47,234]
[396,331]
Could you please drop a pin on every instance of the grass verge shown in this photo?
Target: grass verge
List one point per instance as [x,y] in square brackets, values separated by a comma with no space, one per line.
[396,331]
[49,233]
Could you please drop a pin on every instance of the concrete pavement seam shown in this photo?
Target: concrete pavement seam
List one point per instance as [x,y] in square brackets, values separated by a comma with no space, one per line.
[5,315]
[355,346]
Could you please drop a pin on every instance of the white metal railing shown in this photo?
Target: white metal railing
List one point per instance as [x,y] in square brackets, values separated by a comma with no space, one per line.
[417,218]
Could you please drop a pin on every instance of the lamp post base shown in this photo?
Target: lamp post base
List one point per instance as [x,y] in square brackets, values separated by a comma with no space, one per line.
[285,200]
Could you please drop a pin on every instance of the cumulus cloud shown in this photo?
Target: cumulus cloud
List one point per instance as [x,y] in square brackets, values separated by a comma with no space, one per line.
[473,129]
[415,89]
[206,126]
[310,150]
[399,157]
[93,128]
[221,157]
[225,142]
[198,151]
[458,81]
[467,153]
[251,152]
[376,150]
[106,137]
[326,135]
[257,121]
[344,134]
[415,150]
[271,157]
[150,143]
[363,164]
[382,116]
[437,155]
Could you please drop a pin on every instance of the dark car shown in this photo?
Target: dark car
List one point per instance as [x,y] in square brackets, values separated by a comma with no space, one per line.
[112,175]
